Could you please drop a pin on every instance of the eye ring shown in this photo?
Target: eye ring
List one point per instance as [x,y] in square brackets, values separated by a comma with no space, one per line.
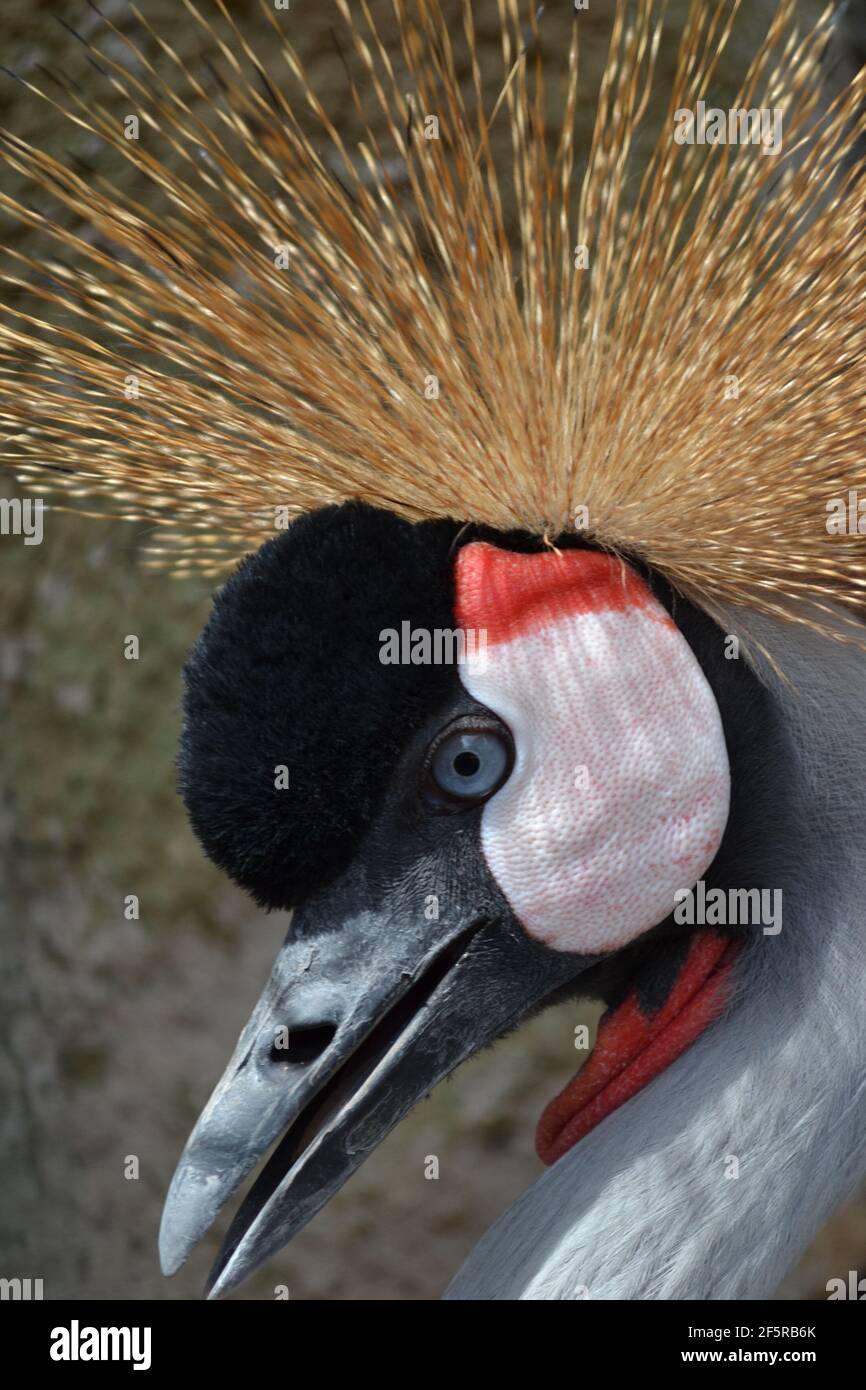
[467,762]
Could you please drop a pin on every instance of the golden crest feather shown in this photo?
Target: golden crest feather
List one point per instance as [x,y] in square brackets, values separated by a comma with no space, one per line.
[433,328]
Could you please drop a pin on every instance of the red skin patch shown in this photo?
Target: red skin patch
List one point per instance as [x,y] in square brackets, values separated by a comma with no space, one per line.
[506,594]
[632,1048]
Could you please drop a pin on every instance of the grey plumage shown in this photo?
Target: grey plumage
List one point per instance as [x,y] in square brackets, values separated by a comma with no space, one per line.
[642,1208]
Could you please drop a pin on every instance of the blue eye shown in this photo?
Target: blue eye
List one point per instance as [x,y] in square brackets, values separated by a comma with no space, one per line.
[471,764]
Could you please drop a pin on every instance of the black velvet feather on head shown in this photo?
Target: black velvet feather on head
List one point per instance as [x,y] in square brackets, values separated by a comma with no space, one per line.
[287,674]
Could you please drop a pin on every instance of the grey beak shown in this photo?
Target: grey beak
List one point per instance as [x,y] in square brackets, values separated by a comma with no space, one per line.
[364,1012]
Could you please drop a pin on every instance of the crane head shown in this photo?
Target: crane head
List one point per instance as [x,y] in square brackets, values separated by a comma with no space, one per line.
[478,770]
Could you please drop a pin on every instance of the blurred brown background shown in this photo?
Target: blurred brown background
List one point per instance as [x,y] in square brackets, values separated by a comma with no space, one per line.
[113,1032]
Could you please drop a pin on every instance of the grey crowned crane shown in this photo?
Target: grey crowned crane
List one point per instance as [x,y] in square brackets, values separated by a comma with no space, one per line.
[551,680]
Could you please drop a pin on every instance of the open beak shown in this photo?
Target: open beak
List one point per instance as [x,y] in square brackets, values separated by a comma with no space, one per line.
[366,1009]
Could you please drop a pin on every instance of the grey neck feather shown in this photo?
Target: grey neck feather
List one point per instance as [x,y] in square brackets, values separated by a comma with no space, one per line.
[645,1207]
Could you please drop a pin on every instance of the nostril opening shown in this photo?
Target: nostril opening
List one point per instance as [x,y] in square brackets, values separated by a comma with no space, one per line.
[300,1046]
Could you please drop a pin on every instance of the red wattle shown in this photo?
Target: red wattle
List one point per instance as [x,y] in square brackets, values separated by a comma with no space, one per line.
[633,1047]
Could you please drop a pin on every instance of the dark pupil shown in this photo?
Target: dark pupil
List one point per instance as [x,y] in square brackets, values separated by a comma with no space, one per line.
[467,764]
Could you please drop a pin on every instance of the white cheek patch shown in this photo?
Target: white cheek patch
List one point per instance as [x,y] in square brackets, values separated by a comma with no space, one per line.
[620,790]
